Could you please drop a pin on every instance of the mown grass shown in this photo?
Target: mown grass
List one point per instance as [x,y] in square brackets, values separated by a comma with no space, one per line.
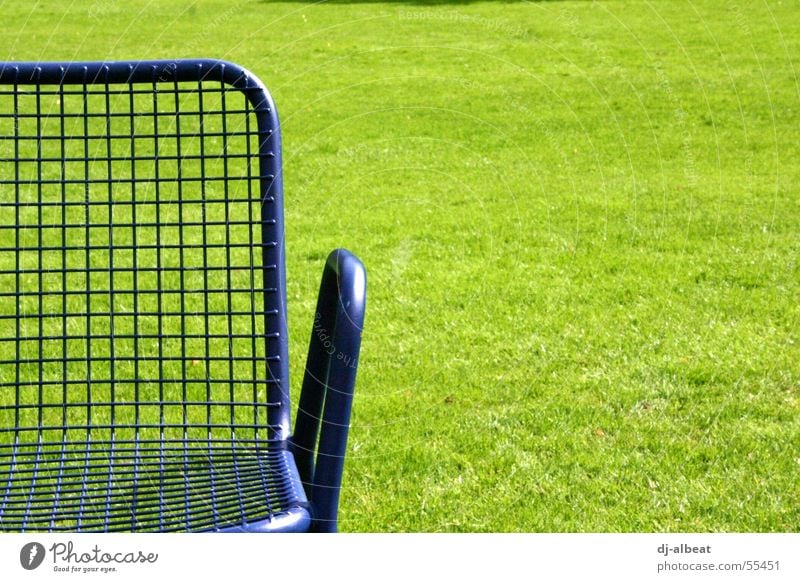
[580,221]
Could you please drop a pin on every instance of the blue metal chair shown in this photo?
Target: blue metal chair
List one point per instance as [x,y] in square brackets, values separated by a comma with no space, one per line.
[143,335]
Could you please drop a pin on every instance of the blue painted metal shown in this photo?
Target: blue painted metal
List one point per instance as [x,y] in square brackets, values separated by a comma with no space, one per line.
[117,476]
[327,392]
[295,520]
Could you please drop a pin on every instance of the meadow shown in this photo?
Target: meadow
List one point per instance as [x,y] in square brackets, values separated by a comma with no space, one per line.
[580,221]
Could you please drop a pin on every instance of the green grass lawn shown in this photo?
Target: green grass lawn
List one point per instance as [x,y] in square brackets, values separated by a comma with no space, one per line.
[581,225]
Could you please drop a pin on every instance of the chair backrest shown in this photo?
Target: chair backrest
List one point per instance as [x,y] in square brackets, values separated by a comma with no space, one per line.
[142,294]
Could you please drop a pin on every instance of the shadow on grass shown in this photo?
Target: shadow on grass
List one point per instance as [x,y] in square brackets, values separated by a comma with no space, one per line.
[406,2]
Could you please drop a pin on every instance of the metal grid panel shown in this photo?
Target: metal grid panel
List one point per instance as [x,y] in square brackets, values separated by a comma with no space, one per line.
[141,309]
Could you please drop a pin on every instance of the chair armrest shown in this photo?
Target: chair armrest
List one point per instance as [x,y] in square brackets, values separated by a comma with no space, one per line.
[327,392]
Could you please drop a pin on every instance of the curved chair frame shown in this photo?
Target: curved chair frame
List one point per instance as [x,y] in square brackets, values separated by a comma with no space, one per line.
[101,425]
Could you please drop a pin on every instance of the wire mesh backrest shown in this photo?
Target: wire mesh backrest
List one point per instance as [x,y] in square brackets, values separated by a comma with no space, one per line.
[141,282]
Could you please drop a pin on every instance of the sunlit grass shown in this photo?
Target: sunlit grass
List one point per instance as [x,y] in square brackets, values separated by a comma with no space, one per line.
[580,222]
